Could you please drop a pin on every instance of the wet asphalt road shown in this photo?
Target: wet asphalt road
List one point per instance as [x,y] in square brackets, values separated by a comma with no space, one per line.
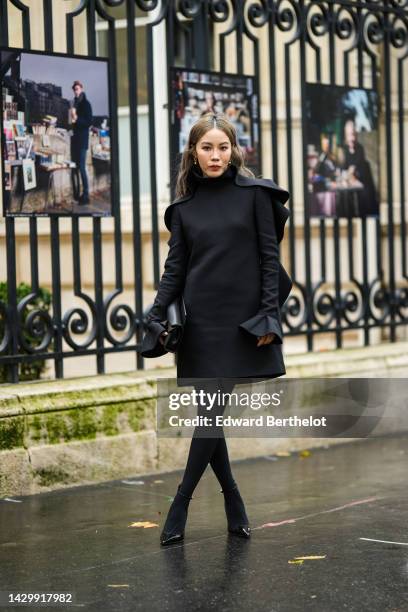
[345,505]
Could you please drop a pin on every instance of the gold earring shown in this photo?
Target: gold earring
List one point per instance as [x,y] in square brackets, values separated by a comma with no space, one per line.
[229,162]
[195,161]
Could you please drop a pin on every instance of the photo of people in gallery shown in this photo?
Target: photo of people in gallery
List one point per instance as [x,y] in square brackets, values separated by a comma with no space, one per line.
[342,151]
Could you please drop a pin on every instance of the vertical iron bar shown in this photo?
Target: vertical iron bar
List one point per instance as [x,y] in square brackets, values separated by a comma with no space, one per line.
[322,222]
[401,133]
[336,222]
[134,157]
[113,85]
[48,18]
[200,32]
[54,227]
[96,222]
[374,81]
[12,297]
[222,40]
[152,149]
[239,29]
[306,212]
[274,129]
[170,45]
[11,306]
[364,250]
[76,244]
[389,158]
[34,255]
[4,22]
[258,91]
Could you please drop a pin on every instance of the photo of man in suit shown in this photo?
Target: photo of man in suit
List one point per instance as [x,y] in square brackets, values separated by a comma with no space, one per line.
[81,121]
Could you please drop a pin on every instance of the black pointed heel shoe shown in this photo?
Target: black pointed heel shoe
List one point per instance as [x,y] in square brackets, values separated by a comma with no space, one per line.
[237,519]
[173,530]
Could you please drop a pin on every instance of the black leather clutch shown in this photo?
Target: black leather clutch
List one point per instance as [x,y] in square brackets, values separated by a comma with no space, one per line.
[176,318]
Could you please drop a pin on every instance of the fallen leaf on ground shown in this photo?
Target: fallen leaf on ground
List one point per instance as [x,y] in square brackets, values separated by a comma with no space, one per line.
[299,560]
[133,482]
[144,524]
[312,557]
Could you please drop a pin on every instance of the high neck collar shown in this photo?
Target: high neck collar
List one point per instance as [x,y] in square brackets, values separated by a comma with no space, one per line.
[200,178]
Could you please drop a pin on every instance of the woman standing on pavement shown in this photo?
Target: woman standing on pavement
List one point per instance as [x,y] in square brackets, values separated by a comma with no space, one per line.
[224,259]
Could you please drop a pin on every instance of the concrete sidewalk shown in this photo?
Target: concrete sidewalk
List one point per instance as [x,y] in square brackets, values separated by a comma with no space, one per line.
[344,507]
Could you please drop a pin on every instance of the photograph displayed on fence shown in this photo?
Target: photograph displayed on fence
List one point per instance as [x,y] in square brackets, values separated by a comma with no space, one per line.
[342,151]
[55,134]
[194,93]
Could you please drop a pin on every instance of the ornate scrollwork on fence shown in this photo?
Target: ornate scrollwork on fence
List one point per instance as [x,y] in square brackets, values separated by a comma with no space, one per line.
[36,331]
[119,322]
[219,10]
[76,322]
[294,310]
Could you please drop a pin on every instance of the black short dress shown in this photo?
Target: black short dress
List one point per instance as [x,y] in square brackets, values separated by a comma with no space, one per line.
[224,260]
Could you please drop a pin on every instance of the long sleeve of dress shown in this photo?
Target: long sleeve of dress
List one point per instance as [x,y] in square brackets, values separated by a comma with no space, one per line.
[268,318]
[170,286]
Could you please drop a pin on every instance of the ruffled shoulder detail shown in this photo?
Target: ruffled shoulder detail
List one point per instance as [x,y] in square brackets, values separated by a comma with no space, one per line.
[277,195]
[170,209]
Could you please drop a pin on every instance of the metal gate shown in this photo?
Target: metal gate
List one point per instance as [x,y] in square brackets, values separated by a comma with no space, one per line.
[288,44]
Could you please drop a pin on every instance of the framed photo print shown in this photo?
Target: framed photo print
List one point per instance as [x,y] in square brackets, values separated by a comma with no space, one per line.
[54,107]
[342,162]
[196,92]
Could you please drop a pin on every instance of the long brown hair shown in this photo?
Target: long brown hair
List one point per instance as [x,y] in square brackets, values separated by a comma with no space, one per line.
[207,122]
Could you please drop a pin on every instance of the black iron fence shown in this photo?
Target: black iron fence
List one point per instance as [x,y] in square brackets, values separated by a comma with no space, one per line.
[348,273]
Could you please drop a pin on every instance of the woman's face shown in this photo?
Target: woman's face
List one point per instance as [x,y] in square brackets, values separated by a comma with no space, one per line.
[213,152]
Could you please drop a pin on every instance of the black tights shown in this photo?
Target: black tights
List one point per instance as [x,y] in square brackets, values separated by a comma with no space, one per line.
[213,450]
